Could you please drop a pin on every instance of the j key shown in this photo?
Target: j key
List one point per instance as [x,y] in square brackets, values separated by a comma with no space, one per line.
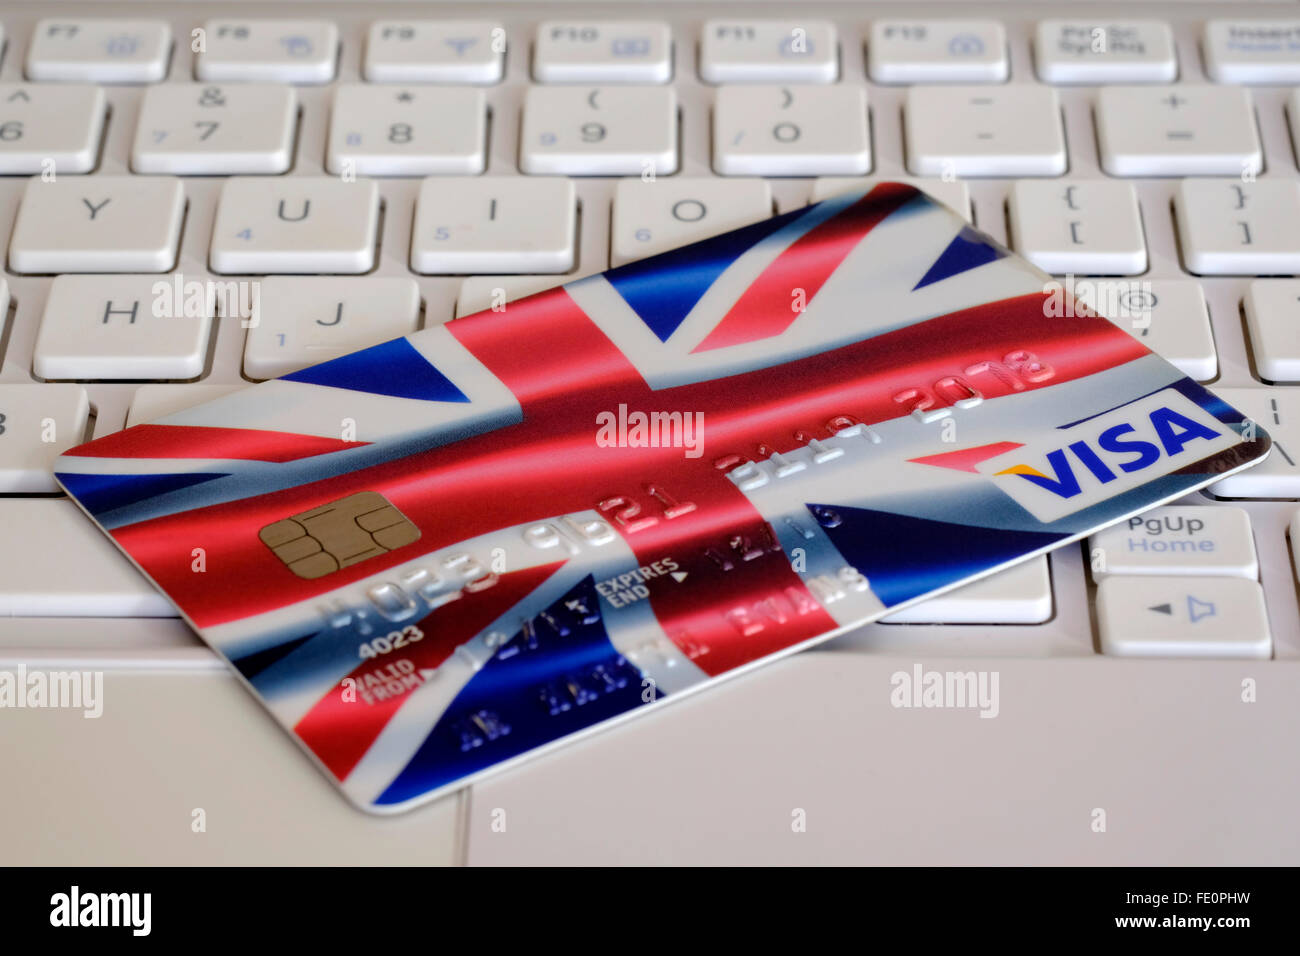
[295,224]
[1019,595]
[599,131]
[99,51]
[494,225]
[58,565]
[937,51]
[619,51]
[121,327]
[955,194]
[1273,321]
[1277,411]
[435,51]
[1168,316]
[1228,227]
[1089,227]
[652,217]
[98,224]
[1109,51]
[769,51]
[479,293]
[1143,616]
[305,321]
[50,128]
[1184,130]
[791,131]
[200,129]
[1252,51]
[983,131]
[420,131]
[1182,539]
[152,402]
[37,424]
[270,51]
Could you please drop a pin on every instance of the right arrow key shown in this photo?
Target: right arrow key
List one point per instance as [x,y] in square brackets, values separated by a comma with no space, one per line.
[1146,616]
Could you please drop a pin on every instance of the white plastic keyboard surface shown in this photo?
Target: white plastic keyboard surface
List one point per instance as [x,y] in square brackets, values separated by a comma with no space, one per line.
[159,153]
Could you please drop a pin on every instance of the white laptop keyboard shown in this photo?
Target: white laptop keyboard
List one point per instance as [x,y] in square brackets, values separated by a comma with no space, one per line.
[376,168]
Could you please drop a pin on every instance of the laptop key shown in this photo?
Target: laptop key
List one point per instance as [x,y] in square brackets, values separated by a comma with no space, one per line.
[1146,616]
[494,224]
[791,131]
[37,424]
[1277,411]
[956,131]
[85,50]
[435,51]
[98,224]
[417,131]
[1019,595]
[1168,316]
[295,225]
[599,131]
[937,51]
[1273,321]
[653,217]
[1229,227]
[50,128]
[152,402]
[121,327]
[1089,227]
[57,564]
[1183,130]
[1252,51]
[769,51]
[621,51]
[1179,539]
[204,129]
[268,51]
[305,321]
[1110,51]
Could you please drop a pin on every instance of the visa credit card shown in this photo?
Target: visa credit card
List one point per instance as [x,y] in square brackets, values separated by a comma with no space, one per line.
[435,557]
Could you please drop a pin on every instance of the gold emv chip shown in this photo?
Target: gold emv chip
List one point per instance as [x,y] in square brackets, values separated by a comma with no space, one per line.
[339,534]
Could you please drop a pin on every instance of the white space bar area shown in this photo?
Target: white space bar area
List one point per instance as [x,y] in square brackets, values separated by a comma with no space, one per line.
[55,563]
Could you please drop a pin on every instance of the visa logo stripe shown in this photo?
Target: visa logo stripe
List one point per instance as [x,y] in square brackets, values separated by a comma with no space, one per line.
[1109,454]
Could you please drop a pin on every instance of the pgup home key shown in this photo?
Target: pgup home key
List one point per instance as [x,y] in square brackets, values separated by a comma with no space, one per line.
[1177,540]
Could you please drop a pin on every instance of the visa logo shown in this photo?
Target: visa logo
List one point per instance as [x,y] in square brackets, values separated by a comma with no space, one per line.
[1110,454]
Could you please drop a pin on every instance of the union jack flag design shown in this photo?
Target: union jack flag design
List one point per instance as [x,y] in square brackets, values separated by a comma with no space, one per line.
[436,556]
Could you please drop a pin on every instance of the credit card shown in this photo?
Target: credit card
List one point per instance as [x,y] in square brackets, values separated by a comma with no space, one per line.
[435,557]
